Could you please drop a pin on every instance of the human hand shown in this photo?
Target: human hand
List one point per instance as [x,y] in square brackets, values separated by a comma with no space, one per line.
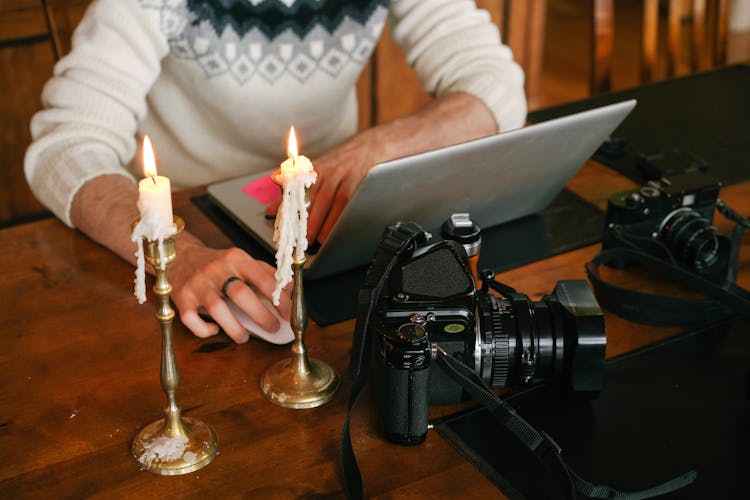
[452,118]
[339,173]
[198,276]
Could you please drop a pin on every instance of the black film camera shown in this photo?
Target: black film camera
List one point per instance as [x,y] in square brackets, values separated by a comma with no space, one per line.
[429,298]
[671,219]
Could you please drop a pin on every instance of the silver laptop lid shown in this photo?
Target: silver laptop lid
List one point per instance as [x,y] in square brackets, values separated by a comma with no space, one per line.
[496,179]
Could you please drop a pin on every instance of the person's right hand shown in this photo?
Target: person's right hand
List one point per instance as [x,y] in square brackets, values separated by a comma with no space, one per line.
[197,278]
[340,171]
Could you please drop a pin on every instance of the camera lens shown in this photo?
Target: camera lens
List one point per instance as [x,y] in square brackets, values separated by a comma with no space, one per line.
[517,340]
[494,340]
[692,239]
[560,338]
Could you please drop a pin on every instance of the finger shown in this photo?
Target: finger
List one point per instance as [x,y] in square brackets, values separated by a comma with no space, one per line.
[257,273]
[316,186]
[268,286]
[273,208]
[220,312]
[339,203]
[197,325]
[285,302]
[247,300]
[260,276]
[319,210]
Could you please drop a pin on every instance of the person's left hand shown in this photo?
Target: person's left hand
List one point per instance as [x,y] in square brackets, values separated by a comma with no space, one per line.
[339,173]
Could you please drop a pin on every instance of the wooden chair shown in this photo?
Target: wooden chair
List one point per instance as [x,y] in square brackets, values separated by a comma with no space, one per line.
[62,18]
[522,24]
[389,87]
[691,35]
[25,64]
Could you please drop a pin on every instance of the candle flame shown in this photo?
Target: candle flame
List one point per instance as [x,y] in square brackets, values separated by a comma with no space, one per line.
[291,148]
[149,161]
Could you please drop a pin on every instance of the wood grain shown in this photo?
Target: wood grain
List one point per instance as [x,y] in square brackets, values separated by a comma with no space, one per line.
[79,375]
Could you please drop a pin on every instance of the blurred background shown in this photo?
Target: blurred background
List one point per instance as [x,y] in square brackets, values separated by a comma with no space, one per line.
[570,49]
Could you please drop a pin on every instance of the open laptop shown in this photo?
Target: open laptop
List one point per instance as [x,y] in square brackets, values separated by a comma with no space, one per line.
[496,179]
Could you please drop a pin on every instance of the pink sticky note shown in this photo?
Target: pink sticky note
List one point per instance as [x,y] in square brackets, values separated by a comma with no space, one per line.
[263,190]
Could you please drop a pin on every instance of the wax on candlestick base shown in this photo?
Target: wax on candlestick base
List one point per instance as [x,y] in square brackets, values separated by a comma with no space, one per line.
[163,449]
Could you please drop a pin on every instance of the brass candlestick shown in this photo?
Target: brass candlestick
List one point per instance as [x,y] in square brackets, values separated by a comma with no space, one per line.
[174,444]
[299,381]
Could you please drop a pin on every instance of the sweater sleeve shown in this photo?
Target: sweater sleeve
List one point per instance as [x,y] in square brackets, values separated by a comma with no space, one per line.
[92,104]
[454,46]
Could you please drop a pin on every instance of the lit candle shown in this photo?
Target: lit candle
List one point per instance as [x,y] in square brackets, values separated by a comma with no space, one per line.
[155,196]
[155,207]
[290,230]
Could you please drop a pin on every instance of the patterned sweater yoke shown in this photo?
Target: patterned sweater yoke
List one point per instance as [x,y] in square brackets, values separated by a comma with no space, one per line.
[216,84]
[269,38]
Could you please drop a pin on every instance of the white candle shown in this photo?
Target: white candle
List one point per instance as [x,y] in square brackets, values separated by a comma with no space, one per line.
[290,229]
[155,196]
[155,207]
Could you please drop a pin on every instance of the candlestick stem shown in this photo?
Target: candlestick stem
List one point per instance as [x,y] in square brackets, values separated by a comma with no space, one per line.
[298,319]
[174,444]
[300,381]
[170,373]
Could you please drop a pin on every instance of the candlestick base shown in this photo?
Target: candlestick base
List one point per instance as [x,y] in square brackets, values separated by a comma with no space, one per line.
[291,384]
[160,450]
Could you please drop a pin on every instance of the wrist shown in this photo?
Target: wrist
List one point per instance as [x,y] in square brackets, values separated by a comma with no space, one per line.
[370,146]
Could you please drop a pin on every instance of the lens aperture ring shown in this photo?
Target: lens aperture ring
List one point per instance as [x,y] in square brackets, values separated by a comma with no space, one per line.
[495,337]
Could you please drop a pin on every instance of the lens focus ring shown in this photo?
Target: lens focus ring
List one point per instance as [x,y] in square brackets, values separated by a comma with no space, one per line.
[691,238]
[495,343]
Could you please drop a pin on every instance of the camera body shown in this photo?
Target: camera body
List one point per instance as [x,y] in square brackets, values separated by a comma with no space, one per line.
[671,218]
[429,298]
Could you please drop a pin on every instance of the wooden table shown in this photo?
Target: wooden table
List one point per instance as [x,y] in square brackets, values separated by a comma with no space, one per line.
[80,376]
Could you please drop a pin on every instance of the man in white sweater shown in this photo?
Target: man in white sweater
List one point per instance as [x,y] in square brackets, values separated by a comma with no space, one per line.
[216,85]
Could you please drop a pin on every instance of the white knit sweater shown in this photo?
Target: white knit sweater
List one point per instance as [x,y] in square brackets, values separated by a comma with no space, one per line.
[217,92]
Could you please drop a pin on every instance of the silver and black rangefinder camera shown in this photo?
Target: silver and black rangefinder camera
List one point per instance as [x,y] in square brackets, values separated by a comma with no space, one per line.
[671,219]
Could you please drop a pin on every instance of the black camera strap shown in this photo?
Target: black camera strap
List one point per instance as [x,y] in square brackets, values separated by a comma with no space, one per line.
[397,239]
[558,474]
[725,299]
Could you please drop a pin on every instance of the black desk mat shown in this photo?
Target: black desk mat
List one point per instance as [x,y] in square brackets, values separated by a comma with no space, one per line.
[707,114]
[569,222]
[680,405]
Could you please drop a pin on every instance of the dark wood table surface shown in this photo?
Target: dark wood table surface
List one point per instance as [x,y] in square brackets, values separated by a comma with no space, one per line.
[79,376]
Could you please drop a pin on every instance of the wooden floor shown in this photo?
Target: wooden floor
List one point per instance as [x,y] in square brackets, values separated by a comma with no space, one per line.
[567,49]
